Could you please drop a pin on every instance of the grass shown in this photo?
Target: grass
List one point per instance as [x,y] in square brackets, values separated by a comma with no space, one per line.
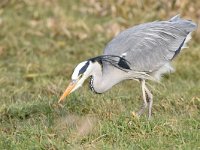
[41,41]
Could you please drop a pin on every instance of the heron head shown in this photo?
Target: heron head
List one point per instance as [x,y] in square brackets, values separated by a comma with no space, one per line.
[80,74]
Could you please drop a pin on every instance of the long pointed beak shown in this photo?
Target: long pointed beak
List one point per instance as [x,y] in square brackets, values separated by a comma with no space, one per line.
[67,91]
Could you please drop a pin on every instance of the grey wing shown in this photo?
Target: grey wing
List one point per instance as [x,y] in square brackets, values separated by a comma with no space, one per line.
[149,46]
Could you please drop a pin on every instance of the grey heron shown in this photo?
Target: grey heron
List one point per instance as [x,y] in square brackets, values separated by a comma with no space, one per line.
[141,53]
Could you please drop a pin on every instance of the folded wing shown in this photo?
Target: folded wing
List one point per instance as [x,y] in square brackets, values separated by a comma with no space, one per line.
[149,46]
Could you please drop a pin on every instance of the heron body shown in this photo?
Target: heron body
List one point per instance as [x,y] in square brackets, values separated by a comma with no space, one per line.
[142,52]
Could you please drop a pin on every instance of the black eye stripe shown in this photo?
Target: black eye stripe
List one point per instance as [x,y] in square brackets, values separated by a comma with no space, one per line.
[84,68]
[80,75]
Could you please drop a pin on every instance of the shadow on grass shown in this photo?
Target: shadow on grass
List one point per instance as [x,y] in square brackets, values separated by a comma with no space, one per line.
[25,110]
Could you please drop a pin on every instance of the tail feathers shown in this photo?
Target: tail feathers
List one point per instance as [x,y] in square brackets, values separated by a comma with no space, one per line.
[188,38]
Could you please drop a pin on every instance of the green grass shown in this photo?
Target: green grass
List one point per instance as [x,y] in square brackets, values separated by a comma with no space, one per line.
[41,41]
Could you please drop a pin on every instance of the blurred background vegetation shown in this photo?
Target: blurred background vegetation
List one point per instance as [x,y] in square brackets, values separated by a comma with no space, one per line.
[41,41]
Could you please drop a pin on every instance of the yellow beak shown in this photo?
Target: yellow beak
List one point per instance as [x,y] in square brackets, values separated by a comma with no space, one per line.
[67,91]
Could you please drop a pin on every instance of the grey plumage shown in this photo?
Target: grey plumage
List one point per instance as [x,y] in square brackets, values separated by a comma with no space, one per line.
[151,45]
[140,53]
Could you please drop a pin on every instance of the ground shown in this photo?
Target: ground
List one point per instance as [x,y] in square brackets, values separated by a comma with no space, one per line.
[41,42]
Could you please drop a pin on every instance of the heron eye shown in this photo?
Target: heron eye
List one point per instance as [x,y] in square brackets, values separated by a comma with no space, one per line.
[80,76]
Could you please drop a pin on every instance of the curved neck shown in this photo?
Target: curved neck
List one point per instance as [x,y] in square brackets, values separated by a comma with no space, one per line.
[104,78]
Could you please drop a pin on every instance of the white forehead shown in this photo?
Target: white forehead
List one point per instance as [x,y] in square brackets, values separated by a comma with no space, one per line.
[77,69]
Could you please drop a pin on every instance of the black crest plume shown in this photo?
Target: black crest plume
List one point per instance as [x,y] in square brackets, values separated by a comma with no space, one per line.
[116,61]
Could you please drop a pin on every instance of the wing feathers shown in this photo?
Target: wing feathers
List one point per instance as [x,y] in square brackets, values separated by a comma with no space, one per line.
[149,46]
